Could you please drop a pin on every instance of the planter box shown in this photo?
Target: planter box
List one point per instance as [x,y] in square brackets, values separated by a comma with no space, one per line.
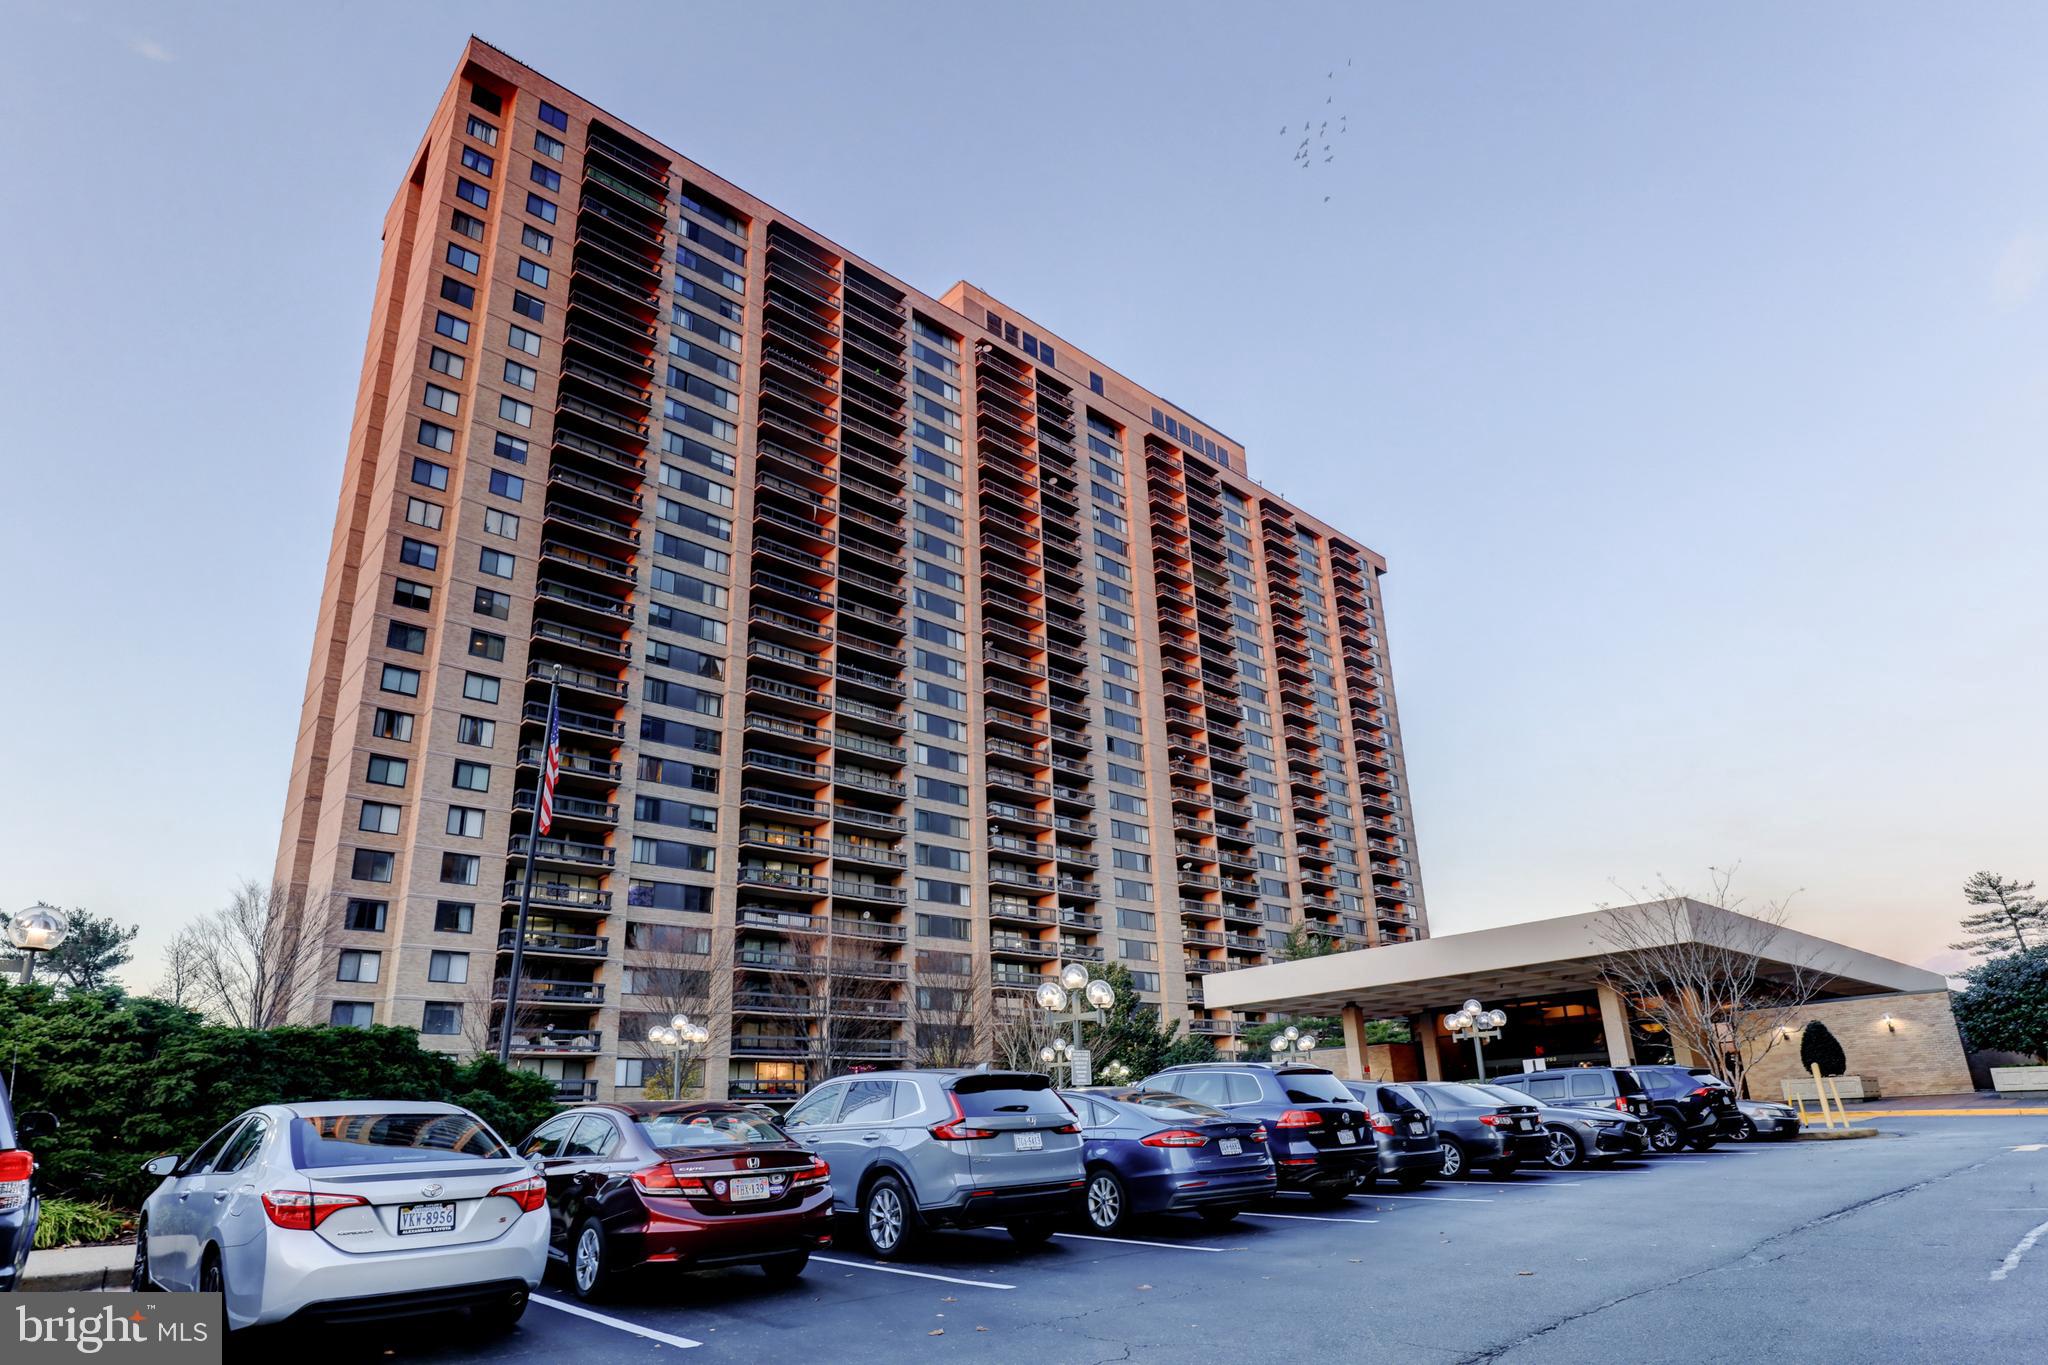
[2008,1080]
[1848,1087]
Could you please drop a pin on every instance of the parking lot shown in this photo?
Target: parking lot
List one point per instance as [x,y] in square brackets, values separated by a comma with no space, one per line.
[1886,1249]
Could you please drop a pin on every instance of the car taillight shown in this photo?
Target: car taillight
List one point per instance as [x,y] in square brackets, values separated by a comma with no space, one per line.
[1299,1118]
[1259,1133]
[1068,1128]
[1621,1103]
[817,1173]
[529,1194]
[1489,1119]
[1175,1137]
[302,1210]
[15,1168]
[662,1179]
[954,1129]
[1703,1090]
[1383,1123]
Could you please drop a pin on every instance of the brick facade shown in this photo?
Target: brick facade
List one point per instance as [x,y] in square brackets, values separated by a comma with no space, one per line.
[1920,1054]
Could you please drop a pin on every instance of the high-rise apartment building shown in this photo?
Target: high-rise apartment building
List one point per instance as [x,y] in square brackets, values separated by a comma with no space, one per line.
[905,651]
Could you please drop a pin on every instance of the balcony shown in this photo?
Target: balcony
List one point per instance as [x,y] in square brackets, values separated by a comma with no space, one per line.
[782,880]
[844,889]
[1016,945]
[562,851]
[553,1042]
[562,896]
[572,807]
[539,990]
[548,943]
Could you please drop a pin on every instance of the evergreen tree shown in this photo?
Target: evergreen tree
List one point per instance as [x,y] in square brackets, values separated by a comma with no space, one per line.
[92,952]
[1131,1032]
[2010,917]
[2004,1007]
[1817,1046]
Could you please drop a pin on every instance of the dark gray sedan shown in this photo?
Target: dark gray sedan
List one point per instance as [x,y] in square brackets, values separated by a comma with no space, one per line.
[1578,1137]
[1762,1121]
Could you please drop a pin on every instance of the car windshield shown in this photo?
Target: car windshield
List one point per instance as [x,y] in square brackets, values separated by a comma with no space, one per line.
[1456,1093]
[383,1138]
[714,1128]
[1315,1087]
[1165,1104]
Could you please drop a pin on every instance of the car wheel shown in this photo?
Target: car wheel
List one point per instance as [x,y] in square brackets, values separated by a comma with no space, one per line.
[1453,1160]
[213,1279]
[1031,1232]
[496,1319]
[787,1268]
[139,1280]
[1108,1203]
[1220,1218]
[1412,1180]
[1664,1136]
[1705,1141]
[1565,1150]
[590,1268]
[1742,1130]
[885,1217]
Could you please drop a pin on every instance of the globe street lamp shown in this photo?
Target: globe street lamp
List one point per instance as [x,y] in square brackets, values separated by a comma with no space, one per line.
[1069,993]
[678,1033]
[1115,1072]
[1292,1039]
[1473,1020]
[38,929]
[1058,1053]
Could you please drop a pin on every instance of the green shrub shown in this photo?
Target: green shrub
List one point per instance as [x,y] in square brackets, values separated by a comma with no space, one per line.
[1818,1047]
[130,1079]
[71,1222]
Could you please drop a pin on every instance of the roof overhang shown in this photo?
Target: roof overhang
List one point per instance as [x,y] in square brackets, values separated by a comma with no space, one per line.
[1540,957]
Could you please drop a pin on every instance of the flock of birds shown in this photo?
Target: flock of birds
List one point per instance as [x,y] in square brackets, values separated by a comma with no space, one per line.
[1317,130]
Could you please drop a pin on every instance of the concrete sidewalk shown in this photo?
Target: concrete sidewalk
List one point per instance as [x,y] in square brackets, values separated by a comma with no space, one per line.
[62,1269]
[1981,1104]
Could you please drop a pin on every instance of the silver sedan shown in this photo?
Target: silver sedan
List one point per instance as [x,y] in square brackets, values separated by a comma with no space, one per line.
[348,1211]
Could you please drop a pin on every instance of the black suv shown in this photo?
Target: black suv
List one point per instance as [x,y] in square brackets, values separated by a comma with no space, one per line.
[18,1203]
[1681,1104]
[1322,1139]
[1410,1151]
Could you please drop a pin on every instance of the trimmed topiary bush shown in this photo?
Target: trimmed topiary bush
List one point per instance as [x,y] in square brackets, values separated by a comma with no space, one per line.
[1817,1047]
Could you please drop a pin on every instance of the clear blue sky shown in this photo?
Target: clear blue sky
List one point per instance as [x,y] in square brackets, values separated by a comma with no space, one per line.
[1687,363]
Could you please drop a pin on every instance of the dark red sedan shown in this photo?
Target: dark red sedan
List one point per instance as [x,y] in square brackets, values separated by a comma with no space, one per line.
[692,1185]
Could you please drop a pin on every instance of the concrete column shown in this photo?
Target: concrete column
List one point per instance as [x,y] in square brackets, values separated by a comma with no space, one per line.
[1614,1022]
[1424,1029]
[1355,1065]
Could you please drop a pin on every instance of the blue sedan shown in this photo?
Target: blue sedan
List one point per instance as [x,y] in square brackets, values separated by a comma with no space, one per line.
[1152,1151]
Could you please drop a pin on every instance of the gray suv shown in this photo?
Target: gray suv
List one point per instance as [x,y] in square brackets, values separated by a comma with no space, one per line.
[912,1150]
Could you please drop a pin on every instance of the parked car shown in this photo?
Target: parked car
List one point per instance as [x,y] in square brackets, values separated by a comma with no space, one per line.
[1613,1088]
[913,1150]
[1322,1139]
[1578,1137]
[1694,1105]
[1410,1152]
[1152,1151]
[348,1211]
[689,1186]
[20,1207]
[1762,1121]
[1477,1130]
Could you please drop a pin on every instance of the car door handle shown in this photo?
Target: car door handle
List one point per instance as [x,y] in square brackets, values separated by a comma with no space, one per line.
[871,1137]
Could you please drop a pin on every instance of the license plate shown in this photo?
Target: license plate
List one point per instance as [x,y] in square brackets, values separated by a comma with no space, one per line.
[751,1187]
[1528,1123]
[1030,1142]
[425,1218]
[1346,1136]
[1418,1129]
[1229,1146]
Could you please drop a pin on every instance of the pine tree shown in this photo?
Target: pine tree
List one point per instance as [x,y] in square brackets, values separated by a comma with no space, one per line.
[2012,919]
[1818,1047]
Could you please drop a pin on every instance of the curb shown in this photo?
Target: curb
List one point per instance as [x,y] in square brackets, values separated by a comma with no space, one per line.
[77,1269]
[1836,1134]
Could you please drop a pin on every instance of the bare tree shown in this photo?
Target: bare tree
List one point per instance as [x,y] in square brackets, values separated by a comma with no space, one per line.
[179,983]
[1722,979]
[950,1018]
[257,960]
[1017,1030]
[667,979]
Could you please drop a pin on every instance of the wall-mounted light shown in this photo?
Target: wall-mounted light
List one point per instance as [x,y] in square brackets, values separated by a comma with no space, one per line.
[1891,1024]
[1786,1033]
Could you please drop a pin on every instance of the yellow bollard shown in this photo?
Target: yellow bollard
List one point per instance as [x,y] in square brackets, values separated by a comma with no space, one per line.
[1820,1090]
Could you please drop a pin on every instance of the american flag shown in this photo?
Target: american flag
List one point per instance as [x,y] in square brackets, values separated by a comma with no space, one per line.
[551,766]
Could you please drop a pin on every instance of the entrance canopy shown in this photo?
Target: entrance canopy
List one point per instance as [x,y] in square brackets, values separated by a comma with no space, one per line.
[1542,957]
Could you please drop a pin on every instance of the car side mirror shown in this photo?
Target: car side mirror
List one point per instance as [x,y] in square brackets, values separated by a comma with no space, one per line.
[161,1166]
[37,1123]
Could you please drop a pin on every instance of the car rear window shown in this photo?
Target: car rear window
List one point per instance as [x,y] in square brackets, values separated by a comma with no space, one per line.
[1167,1105]
[391,1138]
[983,1096]
[1455,1093]
[1504,1094]
[714,1128]
[1315,1087]
[1627,1083]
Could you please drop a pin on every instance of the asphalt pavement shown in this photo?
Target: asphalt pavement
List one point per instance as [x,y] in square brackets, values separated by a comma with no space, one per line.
[1905,1248]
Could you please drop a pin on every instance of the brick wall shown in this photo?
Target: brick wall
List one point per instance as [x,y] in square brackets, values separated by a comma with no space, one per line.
[1923,1056]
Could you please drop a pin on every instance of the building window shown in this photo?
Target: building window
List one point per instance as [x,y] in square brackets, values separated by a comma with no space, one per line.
[509,447]
[533,272]
[404,636]
[351,1014]
[542,209]
[463,259]
[386,771]
[485,645]
[507,485]
[475,730]
[386,724]
[406,593]
[521,376]
[454,917]
[469,192]
[359,964]
[496,563]
[482,132]
[379,817]
[456,292]
[474,777]
[420,512]
[490,602]
[465,822]
[523,340]
[478,161]
[533,238]
[441,1017]
[418,553]
[499,522]
[449,967]
[514,411]
[553,117]
[629,1073]
[459,869]
[549,147]
[366,917]
[479,687]
[405,681]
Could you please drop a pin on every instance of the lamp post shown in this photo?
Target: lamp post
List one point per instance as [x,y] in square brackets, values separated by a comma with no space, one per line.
[1292,1039]
[1473,1020]
[1115,1072]
[1055,1054]
[1068,994]
[677,1034]
[37,929]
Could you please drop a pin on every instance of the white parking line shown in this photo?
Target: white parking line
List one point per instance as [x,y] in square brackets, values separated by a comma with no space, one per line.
[1431,1198]
[2012,1258]
[577,1310]
[1134,1242]
[2032,1147]
[1516,1184]
[1307,1217]
[920,1274]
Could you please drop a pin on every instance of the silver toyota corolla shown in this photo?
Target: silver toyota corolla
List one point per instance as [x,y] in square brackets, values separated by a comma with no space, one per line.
[348,1211]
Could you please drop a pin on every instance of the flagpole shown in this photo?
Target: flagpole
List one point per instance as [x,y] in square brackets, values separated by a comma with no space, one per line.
[526,890]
